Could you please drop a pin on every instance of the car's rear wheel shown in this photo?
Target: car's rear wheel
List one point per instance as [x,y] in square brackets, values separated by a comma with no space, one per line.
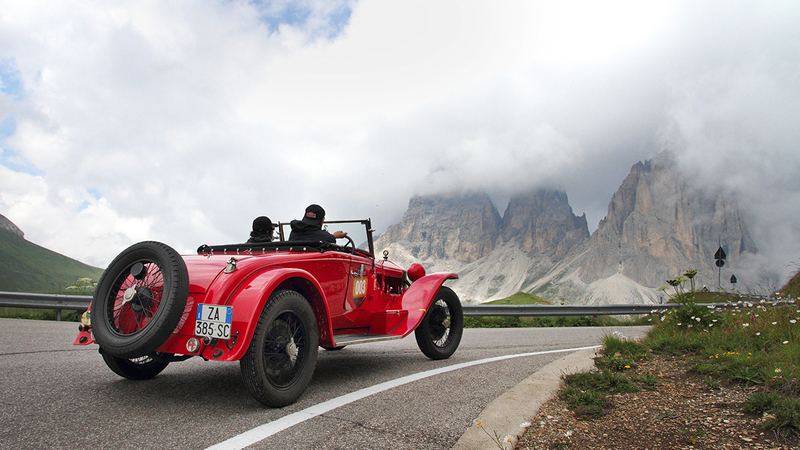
[280,361]
[440,332]
[141,368]
[139,300]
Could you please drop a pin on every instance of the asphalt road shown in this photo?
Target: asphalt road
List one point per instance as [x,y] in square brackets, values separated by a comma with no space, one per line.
[55,396]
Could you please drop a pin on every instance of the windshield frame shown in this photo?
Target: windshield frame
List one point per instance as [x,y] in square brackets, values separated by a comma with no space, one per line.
[367,223]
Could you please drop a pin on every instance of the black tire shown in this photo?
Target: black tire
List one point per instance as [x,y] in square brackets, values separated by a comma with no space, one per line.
[139,300]
[142,368]
[440,332]
[280,361]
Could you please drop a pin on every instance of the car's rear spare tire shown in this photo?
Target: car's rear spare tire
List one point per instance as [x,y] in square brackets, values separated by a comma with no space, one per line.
[139,300]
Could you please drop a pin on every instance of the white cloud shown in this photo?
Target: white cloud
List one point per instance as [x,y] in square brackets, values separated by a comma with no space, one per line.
[181,122]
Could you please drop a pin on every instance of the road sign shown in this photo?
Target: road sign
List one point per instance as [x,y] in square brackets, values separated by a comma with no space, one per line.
[720,257]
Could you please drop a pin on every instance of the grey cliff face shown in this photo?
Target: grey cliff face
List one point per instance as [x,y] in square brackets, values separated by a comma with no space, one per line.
[468,227]
[542,222]
[659,225]
[460,228]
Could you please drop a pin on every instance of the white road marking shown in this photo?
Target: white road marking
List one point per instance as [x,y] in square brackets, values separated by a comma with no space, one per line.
[268,429]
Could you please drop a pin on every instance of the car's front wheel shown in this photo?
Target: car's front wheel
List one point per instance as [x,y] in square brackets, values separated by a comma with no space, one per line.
[440,332]
[280,361]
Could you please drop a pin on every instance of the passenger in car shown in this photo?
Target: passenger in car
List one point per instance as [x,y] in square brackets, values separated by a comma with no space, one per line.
[309,228]
[262,230]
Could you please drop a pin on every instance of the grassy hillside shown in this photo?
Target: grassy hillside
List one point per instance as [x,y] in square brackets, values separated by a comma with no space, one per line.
[27,267]
[792,288]
[521,298]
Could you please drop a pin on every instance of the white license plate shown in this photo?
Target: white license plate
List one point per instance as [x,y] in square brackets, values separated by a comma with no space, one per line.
[213,321]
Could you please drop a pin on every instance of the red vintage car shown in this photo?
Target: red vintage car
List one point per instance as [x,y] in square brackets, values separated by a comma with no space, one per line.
[267,305]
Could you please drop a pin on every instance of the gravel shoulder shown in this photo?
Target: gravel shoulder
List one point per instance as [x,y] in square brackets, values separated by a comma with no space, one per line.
[684,411]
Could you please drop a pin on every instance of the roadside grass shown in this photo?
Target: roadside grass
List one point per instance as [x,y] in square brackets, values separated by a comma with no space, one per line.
[523,298]
[548,321]
[755,344]
[39,314]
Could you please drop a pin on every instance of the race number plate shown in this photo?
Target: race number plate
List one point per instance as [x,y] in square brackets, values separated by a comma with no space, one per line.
[213,321]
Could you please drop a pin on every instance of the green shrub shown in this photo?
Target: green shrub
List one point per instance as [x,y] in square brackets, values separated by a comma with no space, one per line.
[605,381]
[588,412]
[646,381]
[613,344]
[786,416]
[781,413]
[705,368]
[760,402]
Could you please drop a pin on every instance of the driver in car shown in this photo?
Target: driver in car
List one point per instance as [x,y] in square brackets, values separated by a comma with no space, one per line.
[309,228]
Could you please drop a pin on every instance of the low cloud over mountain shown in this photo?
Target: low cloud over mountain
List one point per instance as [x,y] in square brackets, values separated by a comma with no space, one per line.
[659,224]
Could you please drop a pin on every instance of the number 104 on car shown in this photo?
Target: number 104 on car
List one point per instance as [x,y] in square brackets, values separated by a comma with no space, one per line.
[213,321]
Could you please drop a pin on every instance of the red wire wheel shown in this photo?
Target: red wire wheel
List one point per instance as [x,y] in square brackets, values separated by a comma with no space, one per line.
[139,300]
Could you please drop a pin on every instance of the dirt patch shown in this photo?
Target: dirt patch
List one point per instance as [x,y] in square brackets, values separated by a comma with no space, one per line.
[684,411]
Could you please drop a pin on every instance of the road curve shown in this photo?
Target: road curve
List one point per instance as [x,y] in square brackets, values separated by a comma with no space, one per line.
[55,395]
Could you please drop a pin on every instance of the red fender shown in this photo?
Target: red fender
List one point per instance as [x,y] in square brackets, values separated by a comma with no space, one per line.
[418,298]
[259,286]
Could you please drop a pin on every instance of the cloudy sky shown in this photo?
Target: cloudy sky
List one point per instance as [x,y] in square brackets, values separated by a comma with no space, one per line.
[181,121]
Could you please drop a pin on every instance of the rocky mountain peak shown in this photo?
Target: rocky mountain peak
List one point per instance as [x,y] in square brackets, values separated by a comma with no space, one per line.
[542,222]
[660,225]
[468,227]
[457,227]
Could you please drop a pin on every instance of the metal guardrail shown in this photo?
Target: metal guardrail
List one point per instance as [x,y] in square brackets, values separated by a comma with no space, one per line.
[45,301]
[81,302]
[604,310]
[562,310]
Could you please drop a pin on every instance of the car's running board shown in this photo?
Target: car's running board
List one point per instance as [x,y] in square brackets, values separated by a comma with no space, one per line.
[351,339]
